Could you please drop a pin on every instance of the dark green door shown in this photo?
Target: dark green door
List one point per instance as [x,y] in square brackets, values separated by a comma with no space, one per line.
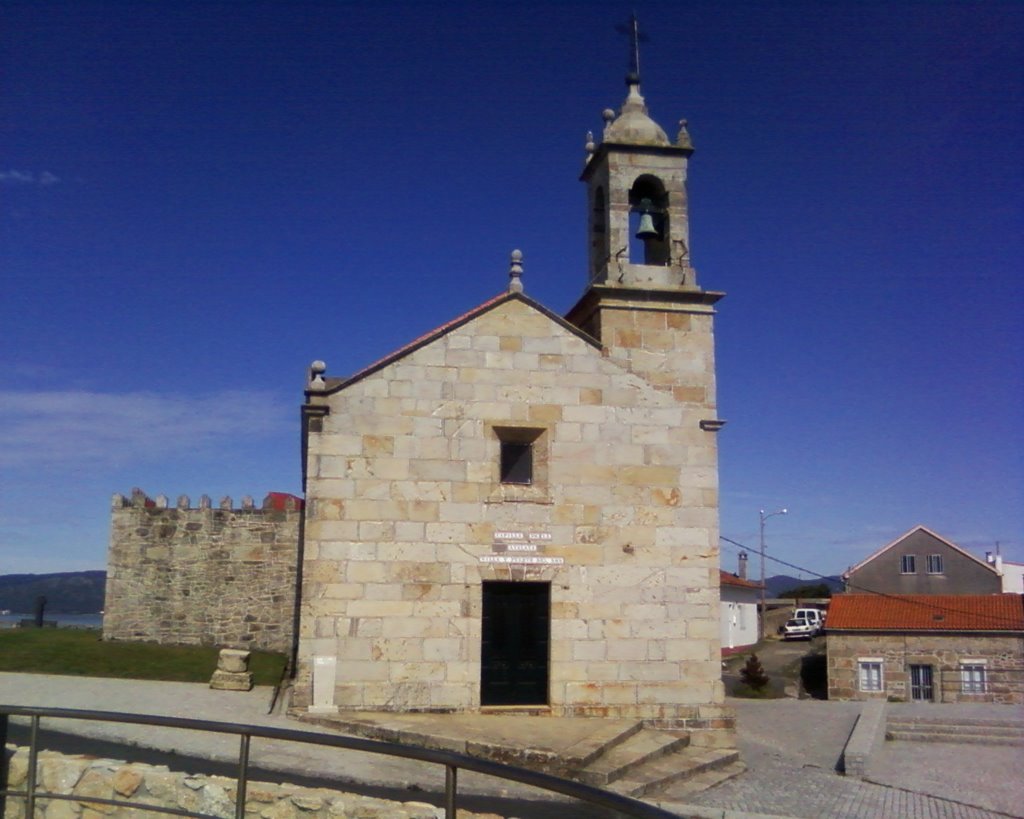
[514,654]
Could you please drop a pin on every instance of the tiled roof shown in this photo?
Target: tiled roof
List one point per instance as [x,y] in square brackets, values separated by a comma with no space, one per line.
[727,579]
[926,612]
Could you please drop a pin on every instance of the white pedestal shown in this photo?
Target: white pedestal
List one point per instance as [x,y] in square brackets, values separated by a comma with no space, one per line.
[325,670]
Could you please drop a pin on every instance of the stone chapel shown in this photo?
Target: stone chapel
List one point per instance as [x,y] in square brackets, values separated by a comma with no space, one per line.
[519,510]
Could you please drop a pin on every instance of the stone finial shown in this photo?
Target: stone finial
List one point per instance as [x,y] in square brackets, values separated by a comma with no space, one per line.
[139,497]
[316,375]
[118,501]
[683,137]
[515,272]
[225,502]
[184,501]
[248,502]
[205,502]
[161,501]
[608,115]
[589,145]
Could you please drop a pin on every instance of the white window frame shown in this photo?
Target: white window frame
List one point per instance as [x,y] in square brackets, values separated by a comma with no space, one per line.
[908,560]
[973,676]
[933,563]
[870,674]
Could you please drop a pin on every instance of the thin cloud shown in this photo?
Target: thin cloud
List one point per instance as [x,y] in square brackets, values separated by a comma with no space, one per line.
[44,178]
[82,427]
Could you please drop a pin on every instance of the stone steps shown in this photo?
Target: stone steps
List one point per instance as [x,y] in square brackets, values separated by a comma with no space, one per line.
[698,767]
[968,731]
[618,760]
[616,754]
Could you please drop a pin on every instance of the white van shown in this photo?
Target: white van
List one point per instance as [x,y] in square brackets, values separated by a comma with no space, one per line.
[816,617]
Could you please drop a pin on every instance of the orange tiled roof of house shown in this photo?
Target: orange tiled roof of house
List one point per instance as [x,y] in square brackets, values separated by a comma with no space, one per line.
[727,579]
[926,612]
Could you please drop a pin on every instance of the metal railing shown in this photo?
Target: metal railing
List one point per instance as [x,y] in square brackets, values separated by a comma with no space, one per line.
[453,762]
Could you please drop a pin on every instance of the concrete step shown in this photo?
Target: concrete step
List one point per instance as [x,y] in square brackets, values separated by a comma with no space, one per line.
[998,725]
[665,771]
[680,792]
[620,759]
[953,734]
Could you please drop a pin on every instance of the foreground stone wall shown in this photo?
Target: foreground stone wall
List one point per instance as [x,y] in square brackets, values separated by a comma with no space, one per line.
[87,777]
[1003,657]
[202,576]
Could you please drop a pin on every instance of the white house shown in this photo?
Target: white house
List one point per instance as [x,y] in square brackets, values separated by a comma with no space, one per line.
[739,599]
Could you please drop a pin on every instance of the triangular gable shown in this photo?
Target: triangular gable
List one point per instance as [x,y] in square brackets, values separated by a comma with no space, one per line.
[904,536]
[431,336]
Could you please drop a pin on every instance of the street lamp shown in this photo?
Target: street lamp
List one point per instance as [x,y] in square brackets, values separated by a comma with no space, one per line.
[764,517]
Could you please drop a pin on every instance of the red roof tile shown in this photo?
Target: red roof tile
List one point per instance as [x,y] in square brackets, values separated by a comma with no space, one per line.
[926,612]
[727,579]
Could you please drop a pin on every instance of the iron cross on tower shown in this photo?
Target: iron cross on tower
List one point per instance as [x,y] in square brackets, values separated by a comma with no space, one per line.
[636,36]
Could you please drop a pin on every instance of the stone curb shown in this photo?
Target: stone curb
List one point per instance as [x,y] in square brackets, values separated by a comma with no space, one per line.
[697,812]
[867,737]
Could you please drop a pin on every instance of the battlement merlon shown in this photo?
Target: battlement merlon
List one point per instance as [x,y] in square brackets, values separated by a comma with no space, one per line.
[274,501]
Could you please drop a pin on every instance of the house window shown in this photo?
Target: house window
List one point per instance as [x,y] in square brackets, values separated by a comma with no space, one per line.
[516,463]
[908,564]
[973,677]
[870,673]
[934,564]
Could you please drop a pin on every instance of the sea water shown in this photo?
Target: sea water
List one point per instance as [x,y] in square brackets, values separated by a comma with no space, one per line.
[63,620]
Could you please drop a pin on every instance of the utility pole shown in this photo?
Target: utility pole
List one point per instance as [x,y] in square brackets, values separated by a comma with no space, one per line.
[764,516]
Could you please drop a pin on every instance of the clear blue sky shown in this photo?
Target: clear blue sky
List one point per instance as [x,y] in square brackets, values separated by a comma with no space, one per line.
[197,199]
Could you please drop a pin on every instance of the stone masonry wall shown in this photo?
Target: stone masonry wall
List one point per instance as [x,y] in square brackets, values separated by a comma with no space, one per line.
[407,519]
[87,777]
[1004,656]
[202,576]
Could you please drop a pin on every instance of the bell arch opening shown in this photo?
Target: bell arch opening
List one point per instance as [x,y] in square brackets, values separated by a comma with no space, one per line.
[648,222]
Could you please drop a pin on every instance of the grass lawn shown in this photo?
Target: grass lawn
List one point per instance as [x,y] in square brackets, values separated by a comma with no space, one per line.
[81,652]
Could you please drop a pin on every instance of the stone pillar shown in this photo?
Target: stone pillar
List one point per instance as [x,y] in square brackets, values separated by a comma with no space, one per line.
[232,672]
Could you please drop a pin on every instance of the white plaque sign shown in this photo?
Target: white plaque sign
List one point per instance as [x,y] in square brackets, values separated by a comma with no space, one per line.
[522,559]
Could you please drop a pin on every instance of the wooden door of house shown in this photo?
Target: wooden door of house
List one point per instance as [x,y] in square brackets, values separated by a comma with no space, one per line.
[515,643]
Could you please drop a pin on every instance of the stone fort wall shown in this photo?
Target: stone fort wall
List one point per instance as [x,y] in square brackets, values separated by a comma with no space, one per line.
[202,575]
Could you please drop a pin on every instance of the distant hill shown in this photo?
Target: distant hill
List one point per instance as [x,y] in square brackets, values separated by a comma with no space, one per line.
[774,586]
[65,592]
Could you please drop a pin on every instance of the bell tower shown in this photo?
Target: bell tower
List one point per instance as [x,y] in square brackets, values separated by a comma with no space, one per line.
[642,300]
[636,186]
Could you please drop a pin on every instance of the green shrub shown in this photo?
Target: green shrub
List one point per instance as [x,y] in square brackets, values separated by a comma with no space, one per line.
[752,674]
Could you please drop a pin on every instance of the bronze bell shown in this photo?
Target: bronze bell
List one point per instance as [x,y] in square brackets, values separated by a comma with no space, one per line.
[646,229]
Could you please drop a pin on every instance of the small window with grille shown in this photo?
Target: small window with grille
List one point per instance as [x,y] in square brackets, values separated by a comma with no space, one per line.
[908,564]
[934,564]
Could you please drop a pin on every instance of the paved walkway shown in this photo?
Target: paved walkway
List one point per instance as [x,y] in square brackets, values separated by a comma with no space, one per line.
[791,748]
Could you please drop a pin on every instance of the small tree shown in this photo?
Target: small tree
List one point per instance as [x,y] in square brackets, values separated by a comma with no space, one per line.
[752,674]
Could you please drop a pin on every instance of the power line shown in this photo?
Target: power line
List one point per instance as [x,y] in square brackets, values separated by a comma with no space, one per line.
[865,589]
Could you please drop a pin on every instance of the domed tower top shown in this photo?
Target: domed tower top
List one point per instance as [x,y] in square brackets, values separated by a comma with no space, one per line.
[639,231]
[633,126]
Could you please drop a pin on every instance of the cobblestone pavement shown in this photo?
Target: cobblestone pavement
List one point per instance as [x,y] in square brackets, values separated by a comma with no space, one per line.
[792,748]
